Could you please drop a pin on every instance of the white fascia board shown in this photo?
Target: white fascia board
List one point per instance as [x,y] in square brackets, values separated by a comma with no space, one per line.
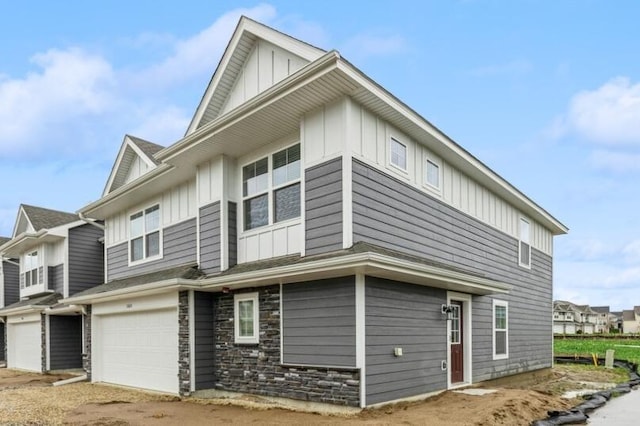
[296,80]
[21,213]
[71,309]
[157,287]
[368,84]
[140,153]
[28,309]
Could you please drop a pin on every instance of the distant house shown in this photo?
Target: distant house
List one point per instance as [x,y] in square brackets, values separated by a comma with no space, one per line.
[569,318]
[9,283]
[605,319]
[631,320]
[60,254]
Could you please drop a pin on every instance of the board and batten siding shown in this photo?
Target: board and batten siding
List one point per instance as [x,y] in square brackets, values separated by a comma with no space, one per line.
[319,323]
[65,342]
[56,278]
[11,283]
[370,137]
[176,205]
[323,207]
[407,316]
[86,258]
[210,250]
[204,341]
[395,215]
[179,248]
[266,65]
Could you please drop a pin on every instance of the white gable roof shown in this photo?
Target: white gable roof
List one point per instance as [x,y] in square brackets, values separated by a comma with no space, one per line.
[256,58]
[134,159]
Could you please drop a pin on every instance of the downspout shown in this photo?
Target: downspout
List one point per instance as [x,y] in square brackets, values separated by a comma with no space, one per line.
[90,221]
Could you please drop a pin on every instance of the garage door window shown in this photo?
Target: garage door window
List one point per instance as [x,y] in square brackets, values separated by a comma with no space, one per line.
[246,318]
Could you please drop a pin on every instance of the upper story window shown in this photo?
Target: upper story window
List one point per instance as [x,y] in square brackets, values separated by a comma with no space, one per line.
[525,244]
[31,269]
[432,174]
[144,234]
[398,155]
[281,192]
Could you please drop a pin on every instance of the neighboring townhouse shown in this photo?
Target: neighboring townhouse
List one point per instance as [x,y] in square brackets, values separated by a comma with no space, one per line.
[312,237]
[60,254]
[9,285]
[631,320]
[605,321]
[569,318]
[615,317]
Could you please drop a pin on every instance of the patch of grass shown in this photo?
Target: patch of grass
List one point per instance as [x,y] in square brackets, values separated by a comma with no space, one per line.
[625,349]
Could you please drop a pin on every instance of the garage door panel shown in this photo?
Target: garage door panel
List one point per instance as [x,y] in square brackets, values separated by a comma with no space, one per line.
[140,349]
[24,346]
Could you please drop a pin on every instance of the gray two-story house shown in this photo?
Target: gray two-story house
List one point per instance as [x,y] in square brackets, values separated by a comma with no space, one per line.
[59,254]
[9,285]
[312,237]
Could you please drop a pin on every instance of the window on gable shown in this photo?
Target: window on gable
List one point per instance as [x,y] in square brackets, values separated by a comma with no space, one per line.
[144,234]
[246,318]
[500,330]
[432,174]
[281,192]
[524,254]
[31,269]
[398,154]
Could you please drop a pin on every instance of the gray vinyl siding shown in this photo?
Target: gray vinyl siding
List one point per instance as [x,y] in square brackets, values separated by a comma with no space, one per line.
[210,238]
[65,339]
[323,207]
[233,234]
[405,316]
[204,341]
[11,283]
[319,323]
[86,258]
[56,278]
[178,245]
[397,216]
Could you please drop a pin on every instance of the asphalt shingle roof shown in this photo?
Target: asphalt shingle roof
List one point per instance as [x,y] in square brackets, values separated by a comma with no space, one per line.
[149,148]
[45,300]
[42,218]
[4,240]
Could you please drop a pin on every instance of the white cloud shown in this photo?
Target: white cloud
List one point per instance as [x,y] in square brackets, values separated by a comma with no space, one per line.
[69,83]
[632,252]
[372,44]
[608,115]
[162,126]
[585,249]
[616,161]
[515,67]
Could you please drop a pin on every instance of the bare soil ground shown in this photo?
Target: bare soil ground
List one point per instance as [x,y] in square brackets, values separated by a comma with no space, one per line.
[27,398]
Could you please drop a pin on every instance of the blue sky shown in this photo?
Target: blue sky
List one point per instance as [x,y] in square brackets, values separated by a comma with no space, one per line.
[546,93]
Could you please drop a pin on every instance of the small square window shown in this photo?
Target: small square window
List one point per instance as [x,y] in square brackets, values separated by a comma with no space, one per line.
[432,174]
[246,318]
[398,154]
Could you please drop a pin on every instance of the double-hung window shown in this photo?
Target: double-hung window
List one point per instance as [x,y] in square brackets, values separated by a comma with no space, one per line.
[524,255]
[31,269]
[398,154]
[271,188]
[500,329]
[432,174]
[144,232]
[246,318]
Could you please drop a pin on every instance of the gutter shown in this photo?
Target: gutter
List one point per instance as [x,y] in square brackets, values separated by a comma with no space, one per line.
[66,310]
[157,287]
[23,310]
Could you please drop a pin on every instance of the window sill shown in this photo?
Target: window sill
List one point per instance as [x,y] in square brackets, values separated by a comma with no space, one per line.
[500,357]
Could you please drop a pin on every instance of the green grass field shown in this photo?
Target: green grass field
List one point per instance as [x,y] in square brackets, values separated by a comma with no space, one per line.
[625,349]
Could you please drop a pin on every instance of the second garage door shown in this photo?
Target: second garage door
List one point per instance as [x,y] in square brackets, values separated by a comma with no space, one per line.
[24,347]
[139,349]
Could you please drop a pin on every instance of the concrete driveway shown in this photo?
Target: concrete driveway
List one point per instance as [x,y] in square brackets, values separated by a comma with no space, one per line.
[624,410]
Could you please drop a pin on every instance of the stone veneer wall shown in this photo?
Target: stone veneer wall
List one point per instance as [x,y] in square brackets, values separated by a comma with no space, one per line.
[256,369]
[43,343]
[86,353]
[184,348]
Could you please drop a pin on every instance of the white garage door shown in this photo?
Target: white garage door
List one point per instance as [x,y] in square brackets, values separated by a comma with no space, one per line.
[139,349]
[24,349]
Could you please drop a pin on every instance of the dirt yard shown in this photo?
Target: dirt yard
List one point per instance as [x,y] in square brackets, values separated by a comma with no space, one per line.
[30,399]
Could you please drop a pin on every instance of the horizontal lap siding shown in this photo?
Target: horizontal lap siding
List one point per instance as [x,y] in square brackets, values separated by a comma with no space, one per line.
[204,341]
[11,283]
[323,207]
[65,340]
[86,258]
[210,238]
[56,278]
[392,214]
[318,322]
[405,316]
[179,248]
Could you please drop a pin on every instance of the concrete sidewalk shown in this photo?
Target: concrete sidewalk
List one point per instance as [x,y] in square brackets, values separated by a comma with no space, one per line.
[621,411]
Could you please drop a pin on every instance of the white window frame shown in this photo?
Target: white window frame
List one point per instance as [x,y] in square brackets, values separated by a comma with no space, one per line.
[505,304]
[429,159]
[145,258]
[526,240]
[26,271]
[246,340]
[404,169]
[270,190]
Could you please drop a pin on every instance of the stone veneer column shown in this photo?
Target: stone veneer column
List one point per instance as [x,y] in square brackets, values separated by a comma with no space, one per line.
[184,347]
[43,342]
[86,353]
